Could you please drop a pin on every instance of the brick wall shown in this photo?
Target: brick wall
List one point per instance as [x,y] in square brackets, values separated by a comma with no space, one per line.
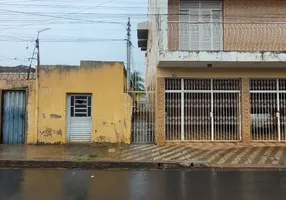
[160,112]
[173,27]
[241,35]
[246,116]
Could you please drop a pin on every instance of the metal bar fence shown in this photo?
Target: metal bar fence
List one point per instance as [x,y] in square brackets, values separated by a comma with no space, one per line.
[268,109]
[190,33]
[143,117]
[202,109]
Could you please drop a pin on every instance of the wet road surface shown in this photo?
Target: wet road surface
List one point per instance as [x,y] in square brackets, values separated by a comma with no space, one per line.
[54,184]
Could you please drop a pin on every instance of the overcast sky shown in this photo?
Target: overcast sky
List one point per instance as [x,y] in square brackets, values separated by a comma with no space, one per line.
[76,32]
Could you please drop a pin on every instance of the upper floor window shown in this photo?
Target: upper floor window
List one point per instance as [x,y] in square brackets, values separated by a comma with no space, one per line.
[201,25]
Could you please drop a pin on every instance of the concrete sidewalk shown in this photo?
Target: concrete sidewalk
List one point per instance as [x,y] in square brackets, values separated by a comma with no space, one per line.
[104,156]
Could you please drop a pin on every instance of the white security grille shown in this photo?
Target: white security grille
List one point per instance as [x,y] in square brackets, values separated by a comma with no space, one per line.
[202,109]
[268,109]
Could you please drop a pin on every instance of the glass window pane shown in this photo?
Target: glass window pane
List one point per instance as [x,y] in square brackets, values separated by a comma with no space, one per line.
[72,100]
[81,97]
[80,101]
[80,110]
[80,106]
[89,111]
[89,101]
[80,115]
[72,111]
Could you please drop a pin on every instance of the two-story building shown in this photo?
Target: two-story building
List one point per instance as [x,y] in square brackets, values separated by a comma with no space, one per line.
[218,68]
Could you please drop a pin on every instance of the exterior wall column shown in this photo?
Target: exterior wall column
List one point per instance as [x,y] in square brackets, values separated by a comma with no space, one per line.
[173,27]
[245,114]
[160,112]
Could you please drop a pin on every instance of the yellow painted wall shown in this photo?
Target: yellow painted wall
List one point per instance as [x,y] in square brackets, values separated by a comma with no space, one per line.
[111,107]
[29,87]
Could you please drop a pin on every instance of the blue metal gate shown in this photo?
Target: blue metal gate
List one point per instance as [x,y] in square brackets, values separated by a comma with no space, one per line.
[14,108]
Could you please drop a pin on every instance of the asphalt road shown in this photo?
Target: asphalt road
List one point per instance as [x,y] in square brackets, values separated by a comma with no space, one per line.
[54,184]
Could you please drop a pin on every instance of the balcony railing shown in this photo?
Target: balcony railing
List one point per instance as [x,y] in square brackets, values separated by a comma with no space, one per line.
[208,36]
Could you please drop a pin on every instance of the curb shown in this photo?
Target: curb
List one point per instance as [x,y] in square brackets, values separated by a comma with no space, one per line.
[134,165]
[97,164]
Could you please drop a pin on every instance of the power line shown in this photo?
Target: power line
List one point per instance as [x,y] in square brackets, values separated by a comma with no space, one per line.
[31,18]
[58,17]
[71,41]
[20,39]
[75,13]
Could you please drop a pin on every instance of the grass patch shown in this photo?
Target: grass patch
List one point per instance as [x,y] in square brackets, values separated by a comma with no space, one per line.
[89,157]
[92,156]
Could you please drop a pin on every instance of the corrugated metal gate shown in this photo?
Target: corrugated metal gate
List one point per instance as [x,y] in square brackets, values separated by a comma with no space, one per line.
[143,117]
[268,109]
[14,109]
[202,110]
[79,118]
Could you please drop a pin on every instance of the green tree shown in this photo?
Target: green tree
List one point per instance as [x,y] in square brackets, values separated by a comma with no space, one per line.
[137,81]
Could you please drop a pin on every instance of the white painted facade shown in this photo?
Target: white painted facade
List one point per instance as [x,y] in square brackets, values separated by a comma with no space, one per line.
[159,55]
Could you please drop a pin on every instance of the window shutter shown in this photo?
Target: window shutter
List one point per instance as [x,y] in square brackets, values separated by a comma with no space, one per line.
[203,30]
[192,25]
[194,30]
[187,4]
[184,30]
[206,32]
[211,5]
[217,30]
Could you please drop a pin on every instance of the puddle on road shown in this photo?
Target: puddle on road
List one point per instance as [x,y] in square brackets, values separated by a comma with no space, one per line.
[54,184]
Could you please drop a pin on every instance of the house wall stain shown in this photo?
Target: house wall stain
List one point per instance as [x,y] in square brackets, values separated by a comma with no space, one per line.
[51,134]
[103,139]
[54,116]
[105,81]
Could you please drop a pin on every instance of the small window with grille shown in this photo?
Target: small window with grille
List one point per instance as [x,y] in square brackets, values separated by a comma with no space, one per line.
[80,106]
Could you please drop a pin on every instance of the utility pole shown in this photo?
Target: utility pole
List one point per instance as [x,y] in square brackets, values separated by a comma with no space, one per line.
[37,46]
[38,51]
[129,44]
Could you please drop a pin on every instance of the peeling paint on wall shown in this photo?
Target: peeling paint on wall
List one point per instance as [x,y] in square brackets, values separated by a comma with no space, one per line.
[59,132]
[48,132]
[103,139]
[54,116]
[125,125]
[117,134]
